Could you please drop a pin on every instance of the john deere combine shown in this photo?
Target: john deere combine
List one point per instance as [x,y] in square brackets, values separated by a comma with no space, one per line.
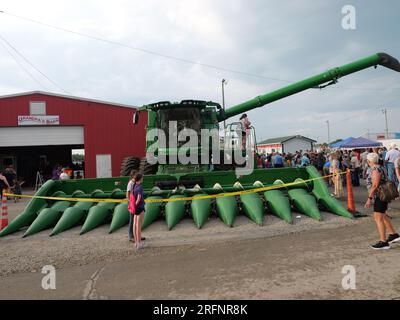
[198,188]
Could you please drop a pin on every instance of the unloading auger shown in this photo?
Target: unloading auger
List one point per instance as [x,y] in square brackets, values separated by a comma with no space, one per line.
[169,185]
[319,81]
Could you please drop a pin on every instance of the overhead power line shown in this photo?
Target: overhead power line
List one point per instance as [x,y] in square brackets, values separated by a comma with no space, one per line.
[188,61]
[22,67]
[32,65]
[167,56]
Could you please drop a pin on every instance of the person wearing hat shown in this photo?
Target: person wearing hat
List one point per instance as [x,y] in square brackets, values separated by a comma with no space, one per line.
[391,156]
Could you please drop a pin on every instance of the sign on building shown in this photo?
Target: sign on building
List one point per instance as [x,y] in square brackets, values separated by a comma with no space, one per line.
[38,120]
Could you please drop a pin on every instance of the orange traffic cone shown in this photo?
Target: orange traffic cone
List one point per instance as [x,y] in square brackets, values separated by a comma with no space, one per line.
[350,196]
[4,213]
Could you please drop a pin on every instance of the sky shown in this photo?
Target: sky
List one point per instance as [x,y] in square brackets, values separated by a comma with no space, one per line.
[270,43]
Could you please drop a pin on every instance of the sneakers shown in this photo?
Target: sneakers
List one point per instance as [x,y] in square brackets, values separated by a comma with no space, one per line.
[393,238]
[381,246]
[140,246]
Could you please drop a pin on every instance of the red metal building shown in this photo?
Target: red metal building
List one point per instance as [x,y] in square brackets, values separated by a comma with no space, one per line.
[39,129]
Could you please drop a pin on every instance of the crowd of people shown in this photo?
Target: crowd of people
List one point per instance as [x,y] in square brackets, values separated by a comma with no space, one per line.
[376,165]
[327,162]
[279,160]
[335,161]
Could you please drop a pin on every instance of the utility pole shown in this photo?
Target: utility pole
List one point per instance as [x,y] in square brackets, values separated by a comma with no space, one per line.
[384,111]
[329,134]
[223,82]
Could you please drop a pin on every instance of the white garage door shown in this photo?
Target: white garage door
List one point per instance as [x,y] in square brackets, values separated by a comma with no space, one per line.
[40,136]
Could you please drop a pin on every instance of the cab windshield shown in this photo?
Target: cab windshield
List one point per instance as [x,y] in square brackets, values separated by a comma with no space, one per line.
[186,118]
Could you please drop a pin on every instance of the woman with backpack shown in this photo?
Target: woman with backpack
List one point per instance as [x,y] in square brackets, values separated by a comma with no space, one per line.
[376,178]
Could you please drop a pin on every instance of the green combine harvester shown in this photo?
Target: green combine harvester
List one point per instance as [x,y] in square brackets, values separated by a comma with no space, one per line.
[177,190]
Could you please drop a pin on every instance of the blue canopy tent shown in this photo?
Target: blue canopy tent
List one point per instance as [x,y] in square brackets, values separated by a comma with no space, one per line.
[358,143]
[340,143]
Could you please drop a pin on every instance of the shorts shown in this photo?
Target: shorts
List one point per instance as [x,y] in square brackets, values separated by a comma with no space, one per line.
[380,206]
[139,210]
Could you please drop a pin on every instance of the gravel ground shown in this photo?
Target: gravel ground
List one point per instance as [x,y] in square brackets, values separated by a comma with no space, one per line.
[303,265]
[69,249]
[276,261]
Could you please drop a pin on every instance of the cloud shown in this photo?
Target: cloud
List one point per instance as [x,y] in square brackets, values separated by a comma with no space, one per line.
[288,40]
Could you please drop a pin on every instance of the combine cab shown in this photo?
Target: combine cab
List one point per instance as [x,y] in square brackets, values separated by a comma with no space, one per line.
[200,186]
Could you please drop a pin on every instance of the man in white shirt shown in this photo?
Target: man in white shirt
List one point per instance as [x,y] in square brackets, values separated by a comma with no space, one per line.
[390,158]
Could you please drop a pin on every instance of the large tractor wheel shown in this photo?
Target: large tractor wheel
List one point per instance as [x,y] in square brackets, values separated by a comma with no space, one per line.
[147,168]
[129,164]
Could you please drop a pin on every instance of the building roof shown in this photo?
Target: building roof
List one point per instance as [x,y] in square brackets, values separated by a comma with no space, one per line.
[283,139]
[65,96]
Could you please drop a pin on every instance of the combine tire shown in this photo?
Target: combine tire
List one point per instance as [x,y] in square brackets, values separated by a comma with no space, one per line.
[147,168]
[129,164]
